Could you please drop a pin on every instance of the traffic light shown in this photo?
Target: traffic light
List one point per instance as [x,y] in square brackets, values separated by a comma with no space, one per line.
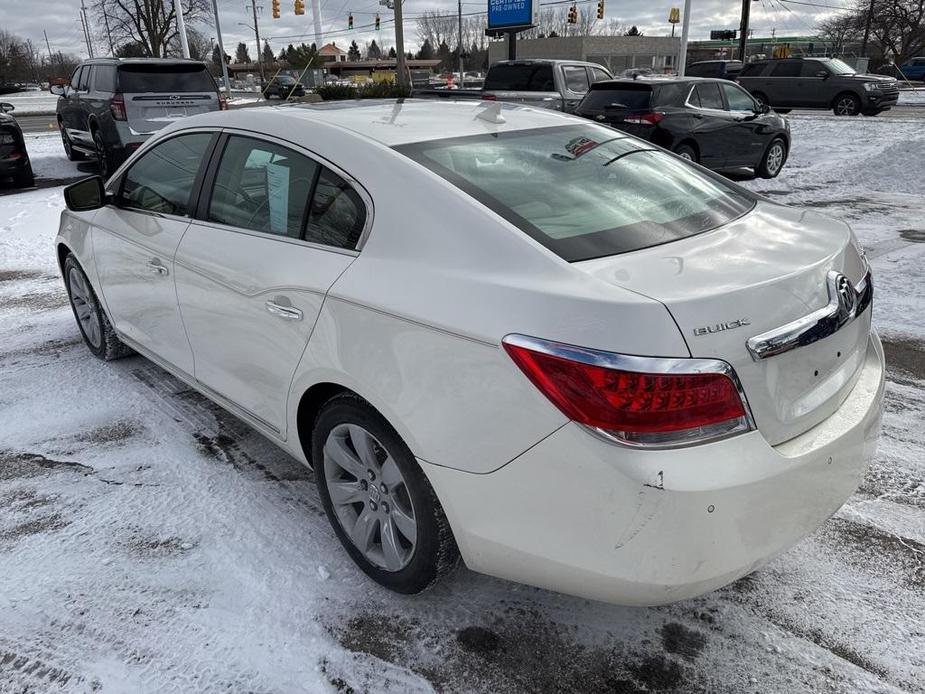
[600,9]
[350,21]
[377,21]
[573,15]
[299,6]
[275,9]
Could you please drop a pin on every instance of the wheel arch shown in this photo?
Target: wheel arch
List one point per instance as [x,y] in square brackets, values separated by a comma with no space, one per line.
[310,404]
[842,93]
[692,143]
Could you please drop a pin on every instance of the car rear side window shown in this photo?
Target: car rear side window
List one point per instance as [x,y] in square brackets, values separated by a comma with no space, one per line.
[708,95]
[584,191]
[629,97]
[786,68]
[526,77]
[337,213]
[136,78]
[105,80]
[262,186]
[162,179]
[576,78]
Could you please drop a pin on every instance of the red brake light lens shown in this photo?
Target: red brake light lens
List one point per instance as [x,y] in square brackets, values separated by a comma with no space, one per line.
[645,118]
[489,97]
[674,402]
[117,106]
[222,102]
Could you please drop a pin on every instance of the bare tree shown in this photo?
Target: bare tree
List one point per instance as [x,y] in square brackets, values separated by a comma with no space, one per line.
[897,28]
[841,30]
[151,24]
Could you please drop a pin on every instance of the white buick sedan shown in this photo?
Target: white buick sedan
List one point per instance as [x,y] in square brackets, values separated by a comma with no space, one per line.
[561,353]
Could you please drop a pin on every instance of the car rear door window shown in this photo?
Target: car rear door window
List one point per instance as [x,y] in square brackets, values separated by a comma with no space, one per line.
[337,213]
[576,78]
[786,68]
[737,99]
[262,186]
[138,78]
[525,77]
[709,96]
[162,180]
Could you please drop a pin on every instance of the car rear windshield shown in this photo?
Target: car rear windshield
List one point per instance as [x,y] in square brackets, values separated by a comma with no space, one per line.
[527,77]
[631,97]
[140,78]
[584,191]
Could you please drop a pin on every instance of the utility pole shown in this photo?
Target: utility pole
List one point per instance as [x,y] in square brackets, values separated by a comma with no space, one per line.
[86,26]
[685,27]
[316,12]
[221,47]
[181,27]
[112,50]
[259,47]
[462,79]
[48,46]
[400,48]
[743,29]
[870,16]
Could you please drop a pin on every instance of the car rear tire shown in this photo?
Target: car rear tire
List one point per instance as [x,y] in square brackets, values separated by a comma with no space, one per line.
[773,159]
[104,159]
[25,178]
[380,504]
[846,104]
[686,151]
[72,154]
[92,321]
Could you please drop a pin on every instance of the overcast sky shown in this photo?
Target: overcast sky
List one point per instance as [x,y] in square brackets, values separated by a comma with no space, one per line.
[27,18]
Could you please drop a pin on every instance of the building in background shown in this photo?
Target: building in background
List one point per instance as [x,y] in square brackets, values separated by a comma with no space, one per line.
[330,53]
[616,53]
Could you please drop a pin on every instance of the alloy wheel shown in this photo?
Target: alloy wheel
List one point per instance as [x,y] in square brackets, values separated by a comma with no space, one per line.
[102,159]
[775,158]
[845,106]
[370,497]
[85,307]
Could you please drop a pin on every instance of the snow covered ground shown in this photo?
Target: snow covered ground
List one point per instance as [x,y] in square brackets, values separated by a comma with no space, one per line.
[150,542]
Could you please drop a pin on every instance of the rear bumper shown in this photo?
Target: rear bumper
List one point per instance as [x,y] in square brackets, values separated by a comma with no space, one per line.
[581,516]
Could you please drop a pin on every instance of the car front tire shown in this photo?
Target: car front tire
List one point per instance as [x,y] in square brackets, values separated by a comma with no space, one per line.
[72,154]
[380,504]
[92,321]
[773,160]
[847,104]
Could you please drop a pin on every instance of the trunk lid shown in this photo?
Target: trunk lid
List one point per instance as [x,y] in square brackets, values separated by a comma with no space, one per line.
[158,94]
[756,275]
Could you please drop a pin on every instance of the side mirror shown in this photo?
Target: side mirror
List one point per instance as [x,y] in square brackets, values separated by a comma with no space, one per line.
[57,89]
[6,107]
[88,194]
[824,74]
[763,108]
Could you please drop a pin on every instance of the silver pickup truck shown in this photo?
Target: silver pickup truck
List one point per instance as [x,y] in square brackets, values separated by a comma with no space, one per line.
[555,84]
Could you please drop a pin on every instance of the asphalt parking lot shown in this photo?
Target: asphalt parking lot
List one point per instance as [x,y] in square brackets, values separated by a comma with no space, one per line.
[149,541]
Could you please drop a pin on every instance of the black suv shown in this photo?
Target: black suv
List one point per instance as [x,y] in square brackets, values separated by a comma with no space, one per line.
[825,83]
[14,160]
[112,105]
[710,121]
[723,69]
[282,86]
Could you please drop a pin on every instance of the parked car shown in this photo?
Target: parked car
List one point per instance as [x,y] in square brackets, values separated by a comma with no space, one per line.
[495,331]
[722,69]
[710,121]
[282,87]
[913,69]
[553,84]
[825,83]
[112,105]
[14,159]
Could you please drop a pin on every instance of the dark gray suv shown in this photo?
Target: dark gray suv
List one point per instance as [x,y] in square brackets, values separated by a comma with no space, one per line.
[111,105]
[825,83]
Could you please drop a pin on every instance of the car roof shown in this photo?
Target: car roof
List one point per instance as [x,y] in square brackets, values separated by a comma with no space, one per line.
[392,122]
[546,61]
[704,62]
[662,79]
[140,61]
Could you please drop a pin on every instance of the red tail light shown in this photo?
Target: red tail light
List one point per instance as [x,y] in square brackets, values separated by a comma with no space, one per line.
[645,118]
[489,97]
[117,106]
[635,400]
[222,102]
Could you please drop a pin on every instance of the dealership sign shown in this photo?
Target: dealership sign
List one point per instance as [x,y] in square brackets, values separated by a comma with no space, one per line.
[511,14]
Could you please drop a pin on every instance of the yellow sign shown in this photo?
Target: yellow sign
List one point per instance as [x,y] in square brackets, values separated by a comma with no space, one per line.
[674,15]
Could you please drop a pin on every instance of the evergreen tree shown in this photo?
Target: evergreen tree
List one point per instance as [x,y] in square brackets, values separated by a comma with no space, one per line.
[267,56]
[633,31]
[392,54]
[373,52]
[353,53]
[426,52]
[241,55]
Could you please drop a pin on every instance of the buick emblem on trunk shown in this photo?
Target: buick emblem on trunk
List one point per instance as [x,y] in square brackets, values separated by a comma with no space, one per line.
[720,327]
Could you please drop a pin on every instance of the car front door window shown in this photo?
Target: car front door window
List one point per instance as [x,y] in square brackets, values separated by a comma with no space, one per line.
[162,179]
[738,99]
[576,79]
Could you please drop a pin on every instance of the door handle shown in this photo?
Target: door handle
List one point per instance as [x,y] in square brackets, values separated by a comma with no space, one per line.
[154,266]
[287,312]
